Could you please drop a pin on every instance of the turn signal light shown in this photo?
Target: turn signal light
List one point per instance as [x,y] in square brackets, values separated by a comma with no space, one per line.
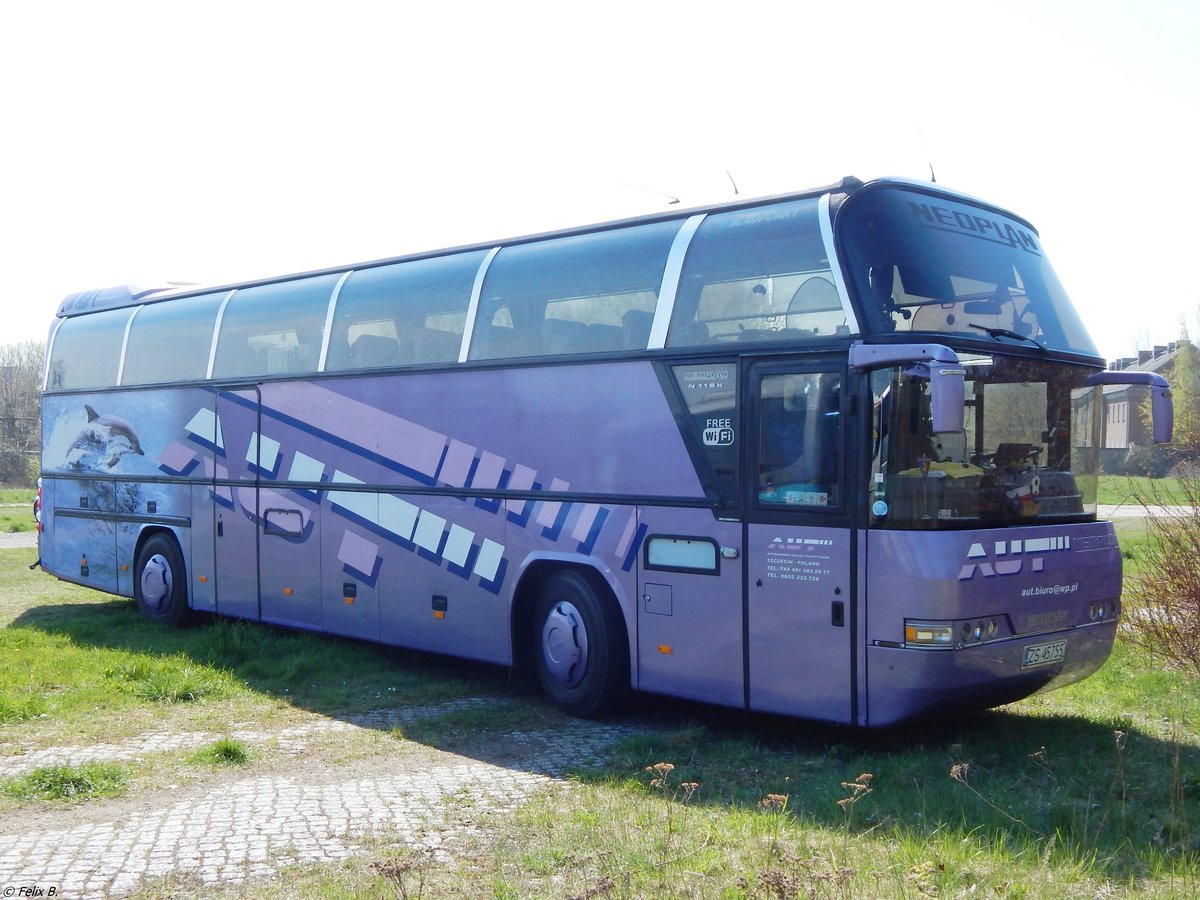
[929,634]
[950,634]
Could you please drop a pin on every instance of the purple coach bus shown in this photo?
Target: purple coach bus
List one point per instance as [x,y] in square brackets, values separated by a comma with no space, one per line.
[831,454]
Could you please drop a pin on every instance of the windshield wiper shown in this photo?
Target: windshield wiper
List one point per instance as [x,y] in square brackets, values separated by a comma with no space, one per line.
[1004,332]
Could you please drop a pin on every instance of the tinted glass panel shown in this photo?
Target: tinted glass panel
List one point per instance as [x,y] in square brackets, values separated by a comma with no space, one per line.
[87,351]
[585,294]
[682,554]
[921,262]
[798,441]
[274,329]
[757,274]
[171,341]
[1027,453]
[406,314]
[710,392]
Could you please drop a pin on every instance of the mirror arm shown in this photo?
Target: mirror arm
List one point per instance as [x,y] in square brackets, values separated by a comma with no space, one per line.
[937,362]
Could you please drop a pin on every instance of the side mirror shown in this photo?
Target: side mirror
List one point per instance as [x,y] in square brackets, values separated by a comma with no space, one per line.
[936,362]
[947,397]
[1162,406]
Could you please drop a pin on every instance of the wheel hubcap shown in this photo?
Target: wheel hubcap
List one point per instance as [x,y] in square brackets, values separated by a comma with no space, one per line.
[156,582]
[564,644]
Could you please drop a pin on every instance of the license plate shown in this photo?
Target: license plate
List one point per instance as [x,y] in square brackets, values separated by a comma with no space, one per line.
[1044,654]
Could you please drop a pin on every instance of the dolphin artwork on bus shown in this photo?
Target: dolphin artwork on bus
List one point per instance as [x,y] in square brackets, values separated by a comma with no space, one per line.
[103,441]
[831,454]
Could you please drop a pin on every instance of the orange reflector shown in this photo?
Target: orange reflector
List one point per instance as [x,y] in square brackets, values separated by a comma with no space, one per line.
[666,648]
[287,592]
[204,579]
[438,614]
[124,568]
[349,600]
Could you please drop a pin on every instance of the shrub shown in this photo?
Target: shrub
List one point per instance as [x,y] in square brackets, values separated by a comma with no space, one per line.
[1163,600]
[16,469]
[1149,460]
[225,752]
[82,782]
[13,709]
[168,680]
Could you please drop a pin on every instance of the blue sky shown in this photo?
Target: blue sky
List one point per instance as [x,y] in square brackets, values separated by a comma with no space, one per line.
[156,141]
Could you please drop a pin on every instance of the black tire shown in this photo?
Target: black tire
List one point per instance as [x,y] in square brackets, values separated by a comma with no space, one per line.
[160,582]
[580,648]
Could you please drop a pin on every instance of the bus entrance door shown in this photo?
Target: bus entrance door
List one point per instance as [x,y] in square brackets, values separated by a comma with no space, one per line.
[798,559]
[289,540]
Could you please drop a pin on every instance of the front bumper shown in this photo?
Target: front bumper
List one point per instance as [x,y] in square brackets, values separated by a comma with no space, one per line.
[908,683]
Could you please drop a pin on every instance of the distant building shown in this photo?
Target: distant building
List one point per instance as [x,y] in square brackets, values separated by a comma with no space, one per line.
[1124,425]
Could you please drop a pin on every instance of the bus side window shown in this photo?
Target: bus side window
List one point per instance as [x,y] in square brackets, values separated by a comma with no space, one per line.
[374,351]
[573,294]
[305,354]
[563,336]
[87,350]
[709,391]
[511,330]
[635,329]
[171,341]
[407,313]
[432,345]
[799,434]
[274,329]
[757,275]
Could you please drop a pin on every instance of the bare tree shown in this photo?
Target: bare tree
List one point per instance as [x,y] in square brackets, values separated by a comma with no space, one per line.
[20,409]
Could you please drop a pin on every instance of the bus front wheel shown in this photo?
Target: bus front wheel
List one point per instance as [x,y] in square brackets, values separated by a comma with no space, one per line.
[160,585]
[580,649]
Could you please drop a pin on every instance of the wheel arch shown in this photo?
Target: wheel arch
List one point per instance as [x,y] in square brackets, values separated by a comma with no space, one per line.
[534,571]
[174,534]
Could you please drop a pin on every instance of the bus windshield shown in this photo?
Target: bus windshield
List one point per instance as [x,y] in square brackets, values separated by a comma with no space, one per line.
[1027,453]
[923,262]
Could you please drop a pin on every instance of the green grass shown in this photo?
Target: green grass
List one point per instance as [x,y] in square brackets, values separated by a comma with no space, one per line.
[14,519]
[1118,490]
[1134,540]
[1094,789]
[83,782]
[20,707]
[24,496]
[1089,791]
[171,680]
[225,752]
[86,665]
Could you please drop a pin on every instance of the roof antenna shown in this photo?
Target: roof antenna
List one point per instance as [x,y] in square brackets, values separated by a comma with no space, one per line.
[671,201]
[731,181]
[928,157]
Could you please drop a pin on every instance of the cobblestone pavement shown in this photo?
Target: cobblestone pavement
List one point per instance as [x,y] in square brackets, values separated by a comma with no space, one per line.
[314,813]
[293,740]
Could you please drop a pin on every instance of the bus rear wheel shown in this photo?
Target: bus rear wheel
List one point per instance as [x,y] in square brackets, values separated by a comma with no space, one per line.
[580,649]
[160,585]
